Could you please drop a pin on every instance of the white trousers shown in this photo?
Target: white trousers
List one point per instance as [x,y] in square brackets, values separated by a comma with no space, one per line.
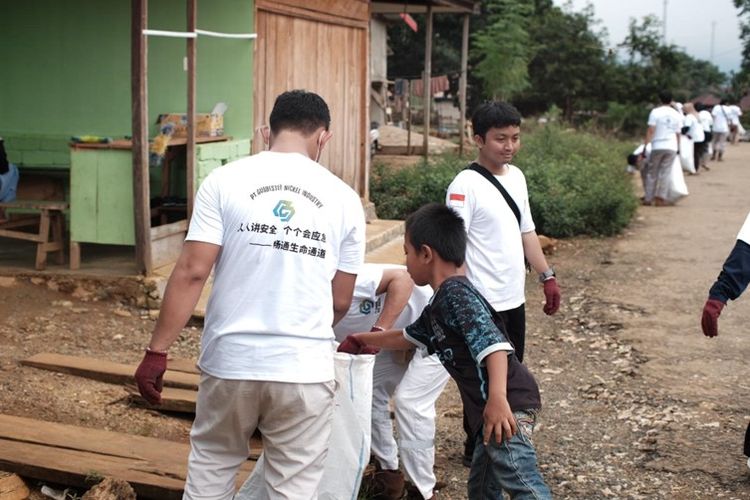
[415,387]
[294,419]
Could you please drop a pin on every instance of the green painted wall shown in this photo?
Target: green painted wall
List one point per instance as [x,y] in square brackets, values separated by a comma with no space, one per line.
[66,69]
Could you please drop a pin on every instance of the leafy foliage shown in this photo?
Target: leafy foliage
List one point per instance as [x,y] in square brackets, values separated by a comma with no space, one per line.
[503,49]
[577,183]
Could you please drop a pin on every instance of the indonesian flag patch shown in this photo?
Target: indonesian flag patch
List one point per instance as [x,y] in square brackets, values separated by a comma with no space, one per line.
[456,200]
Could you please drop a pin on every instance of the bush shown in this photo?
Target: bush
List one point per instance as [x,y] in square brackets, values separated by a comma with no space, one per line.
[577,183]
[398,193]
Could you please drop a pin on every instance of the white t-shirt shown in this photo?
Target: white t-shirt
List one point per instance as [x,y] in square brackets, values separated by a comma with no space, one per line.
[734,112]
[744,233]
[494,254]
[367,304]
[696,132]
[285,225]
[721,118]
[667,122]
[706,120]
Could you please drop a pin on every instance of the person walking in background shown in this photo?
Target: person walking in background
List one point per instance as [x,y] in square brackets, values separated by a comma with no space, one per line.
[492,198]
[720,114]
[734,113]
[664,125]
[385,298]
[707,121]
[695,133]
[732,281]
[287,240]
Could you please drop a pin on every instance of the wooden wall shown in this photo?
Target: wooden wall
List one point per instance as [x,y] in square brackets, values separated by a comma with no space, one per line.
[320,46]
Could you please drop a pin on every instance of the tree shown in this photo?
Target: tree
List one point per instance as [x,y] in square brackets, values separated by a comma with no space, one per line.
[569,59]
[741,80]
[502,48]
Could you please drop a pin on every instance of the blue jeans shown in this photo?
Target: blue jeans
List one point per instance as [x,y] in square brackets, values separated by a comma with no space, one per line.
[509,466]
[8,184]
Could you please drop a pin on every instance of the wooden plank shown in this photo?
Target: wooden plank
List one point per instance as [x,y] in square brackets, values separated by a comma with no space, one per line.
[354,13]
[183,365]
[166,230]
[166,242]
[139,112]
[172,399]
[20,235]
[67,454]
[35,205]
[105,371]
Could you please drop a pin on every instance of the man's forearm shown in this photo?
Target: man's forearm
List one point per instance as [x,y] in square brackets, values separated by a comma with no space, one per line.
[532,250]
[180,297]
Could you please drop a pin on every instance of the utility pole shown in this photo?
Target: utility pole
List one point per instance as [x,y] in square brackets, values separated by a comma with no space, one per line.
[664,23]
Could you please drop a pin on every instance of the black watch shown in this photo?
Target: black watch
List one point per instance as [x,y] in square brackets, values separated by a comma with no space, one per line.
[549,273]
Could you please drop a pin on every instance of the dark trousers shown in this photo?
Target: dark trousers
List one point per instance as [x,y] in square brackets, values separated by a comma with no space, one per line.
[747,441]
[515,331]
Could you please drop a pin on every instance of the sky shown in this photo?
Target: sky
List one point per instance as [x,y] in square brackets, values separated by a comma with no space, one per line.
[689,25]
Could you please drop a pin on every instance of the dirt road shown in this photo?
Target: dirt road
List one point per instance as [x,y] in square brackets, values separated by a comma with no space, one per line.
[638,404]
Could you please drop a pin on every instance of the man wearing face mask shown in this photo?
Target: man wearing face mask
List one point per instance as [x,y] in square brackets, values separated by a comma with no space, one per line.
[8,180]
[286,237]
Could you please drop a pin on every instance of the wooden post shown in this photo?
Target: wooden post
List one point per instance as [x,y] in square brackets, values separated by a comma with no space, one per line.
[139,112]
[192,13]
[462,84]
[364,179]
[427,80]
[408,117]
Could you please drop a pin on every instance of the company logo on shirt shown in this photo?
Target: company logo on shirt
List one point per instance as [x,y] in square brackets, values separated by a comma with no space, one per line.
[366,306]
[284,210]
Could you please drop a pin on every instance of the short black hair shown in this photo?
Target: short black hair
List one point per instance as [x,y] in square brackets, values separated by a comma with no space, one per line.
[440,228]
[632,159]
[299,110]
[495,114]
[665,96]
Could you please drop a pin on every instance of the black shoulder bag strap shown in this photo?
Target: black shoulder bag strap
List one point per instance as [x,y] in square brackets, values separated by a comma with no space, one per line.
[476,167]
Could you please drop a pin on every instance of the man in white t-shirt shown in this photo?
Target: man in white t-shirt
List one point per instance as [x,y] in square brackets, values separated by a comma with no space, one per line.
[286,237]
[664,124]
[500,237]
[720,114]
[707,121]
[385,298]
[734,113]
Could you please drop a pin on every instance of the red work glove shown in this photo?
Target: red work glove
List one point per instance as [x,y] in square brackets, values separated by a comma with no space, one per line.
[352,345]
[552,296]
[150,376]
[710,319]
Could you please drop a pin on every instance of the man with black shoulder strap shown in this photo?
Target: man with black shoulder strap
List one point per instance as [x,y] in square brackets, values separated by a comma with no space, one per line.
[492,198]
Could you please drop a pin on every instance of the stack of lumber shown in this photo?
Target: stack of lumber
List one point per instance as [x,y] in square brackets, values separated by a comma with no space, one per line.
[70,455]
